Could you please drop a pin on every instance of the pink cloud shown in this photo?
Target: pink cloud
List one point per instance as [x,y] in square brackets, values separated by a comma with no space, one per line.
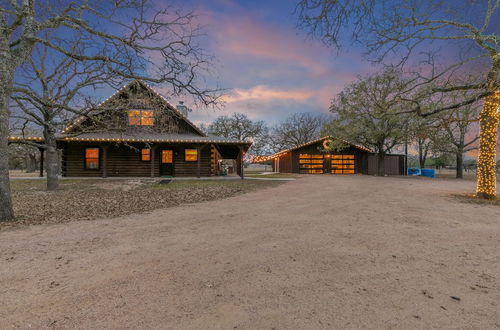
[244,36]
[248,38]
[264,93]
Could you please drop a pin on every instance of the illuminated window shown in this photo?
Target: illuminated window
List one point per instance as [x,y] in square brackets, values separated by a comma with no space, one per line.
[92,158]
[141,118]
[311,163]
[166,156]
[191,155]
[146,154]
[342,164]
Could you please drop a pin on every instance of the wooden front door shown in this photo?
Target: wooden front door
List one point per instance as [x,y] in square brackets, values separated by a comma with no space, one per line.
[167,162]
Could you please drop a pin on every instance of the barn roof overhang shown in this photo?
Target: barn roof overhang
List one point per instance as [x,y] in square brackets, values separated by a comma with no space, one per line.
[262,159]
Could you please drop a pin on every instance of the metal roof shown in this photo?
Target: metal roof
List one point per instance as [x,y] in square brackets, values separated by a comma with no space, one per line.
[266,158]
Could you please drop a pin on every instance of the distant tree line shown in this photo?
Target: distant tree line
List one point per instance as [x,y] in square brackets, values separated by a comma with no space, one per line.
[370,112]
[296,129]
[434,42]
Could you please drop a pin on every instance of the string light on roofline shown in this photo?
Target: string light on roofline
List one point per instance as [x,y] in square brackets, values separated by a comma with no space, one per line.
[80,119]
[280,153]
[80,139]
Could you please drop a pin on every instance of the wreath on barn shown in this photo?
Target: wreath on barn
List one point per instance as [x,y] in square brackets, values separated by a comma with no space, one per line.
[328,144]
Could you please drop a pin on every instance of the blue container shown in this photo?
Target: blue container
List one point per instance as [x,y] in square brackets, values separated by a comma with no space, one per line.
[413,171]
[428,172]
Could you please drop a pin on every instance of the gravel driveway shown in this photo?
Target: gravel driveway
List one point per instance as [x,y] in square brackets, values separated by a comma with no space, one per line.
[320,252]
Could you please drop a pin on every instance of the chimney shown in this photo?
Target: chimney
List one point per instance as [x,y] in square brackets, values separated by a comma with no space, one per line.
[183,109]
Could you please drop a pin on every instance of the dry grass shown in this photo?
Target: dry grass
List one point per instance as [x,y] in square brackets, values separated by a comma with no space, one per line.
[451,174]
[472,198]
[272,176]
[21,173]
[88,199]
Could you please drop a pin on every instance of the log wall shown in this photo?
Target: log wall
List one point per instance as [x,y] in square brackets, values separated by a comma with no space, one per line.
[125,161]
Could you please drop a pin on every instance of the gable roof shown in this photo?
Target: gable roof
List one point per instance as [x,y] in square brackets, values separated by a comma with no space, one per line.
[115,95]
[276,155]
[330,137]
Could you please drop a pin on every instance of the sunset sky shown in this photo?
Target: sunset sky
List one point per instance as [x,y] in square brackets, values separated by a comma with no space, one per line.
[271,66]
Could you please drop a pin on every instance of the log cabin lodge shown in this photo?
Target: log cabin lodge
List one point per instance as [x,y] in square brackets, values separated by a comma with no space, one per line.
[137,133]
[313,158]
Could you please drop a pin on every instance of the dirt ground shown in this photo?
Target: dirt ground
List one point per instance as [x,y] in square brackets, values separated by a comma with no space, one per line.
[88,199]
[325,252]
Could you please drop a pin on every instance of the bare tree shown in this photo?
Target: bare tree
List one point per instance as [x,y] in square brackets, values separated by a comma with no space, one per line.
[297,129]
[404,29]
[131,38]
[423,132]
[23,157]
[366,113]
[424,146]
[239,127]
[457,133]
[50,90]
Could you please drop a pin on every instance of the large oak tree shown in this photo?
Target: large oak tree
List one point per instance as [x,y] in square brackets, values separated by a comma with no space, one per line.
[366,112]
[137,39]
[463,35]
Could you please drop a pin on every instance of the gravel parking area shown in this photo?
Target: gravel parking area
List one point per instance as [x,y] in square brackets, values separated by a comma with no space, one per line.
[321,252]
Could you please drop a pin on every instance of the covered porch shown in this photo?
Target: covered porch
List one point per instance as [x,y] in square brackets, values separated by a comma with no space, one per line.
[158,155]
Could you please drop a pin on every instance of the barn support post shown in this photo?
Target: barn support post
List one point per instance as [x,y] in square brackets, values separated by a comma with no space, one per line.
[105,161]
[42,151]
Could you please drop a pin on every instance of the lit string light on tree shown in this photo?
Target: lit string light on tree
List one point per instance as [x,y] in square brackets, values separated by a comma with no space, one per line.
[489,119]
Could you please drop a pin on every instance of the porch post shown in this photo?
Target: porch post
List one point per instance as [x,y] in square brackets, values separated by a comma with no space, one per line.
[240,157]
[153,151]
[41,161]
[198,164]
[104,161]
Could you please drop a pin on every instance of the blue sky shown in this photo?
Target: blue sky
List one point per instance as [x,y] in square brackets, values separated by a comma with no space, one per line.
[271,68]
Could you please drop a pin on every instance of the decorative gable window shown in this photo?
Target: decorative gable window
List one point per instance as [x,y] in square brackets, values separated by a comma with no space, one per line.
[191,155]
[141,118]
[92,158]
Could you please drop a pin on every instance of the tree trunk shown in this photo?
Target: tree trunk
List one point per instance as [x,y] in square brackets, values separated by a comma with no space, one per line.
[460,164]
[381,164]
[421,161]
[52,159]
[486,176]
[31,162]
[422,152]
[6,210]
[52,168]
